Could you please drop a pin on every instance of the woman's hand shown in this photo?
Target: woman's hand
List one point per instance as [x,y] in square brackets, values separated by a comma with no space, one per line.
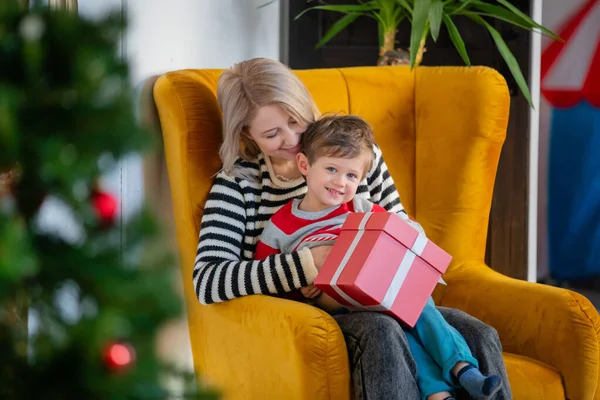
[320,254]
[324,302]
[310,291]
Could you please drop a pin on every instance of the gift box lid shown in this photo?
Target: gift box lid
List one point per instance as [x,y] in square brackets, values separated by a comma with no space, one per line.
[402,232]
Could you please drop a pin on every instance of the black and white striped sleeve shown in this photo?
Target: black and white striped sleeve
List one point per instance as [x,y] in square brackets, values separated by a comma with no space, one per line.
[220,274]
[381,185]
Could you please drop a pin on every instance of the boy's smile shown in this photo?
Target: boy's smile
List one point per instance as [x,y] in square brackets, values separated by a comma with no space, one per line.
[334,192]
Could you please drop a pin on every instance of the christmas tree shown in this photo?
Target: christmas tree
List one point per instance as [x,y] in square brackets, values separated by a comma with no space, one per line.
[94,287]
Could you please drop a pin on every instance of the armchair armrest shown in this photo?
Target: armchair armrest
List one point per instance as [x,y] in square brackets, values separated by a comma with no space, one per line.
[553,325]
[274,348]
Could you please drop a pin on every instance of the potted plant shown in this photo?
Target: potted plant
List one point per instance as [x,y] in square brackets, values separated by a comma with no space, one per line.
[426,18]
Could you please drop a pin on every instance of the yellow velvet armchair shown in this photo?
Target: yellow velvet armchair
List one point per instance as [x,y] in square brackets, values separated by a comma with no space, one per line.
[441,131]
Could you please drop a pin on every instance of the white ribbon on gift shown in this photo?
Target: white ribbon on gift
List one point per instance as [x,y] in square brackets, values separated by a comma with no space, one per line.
[398,279]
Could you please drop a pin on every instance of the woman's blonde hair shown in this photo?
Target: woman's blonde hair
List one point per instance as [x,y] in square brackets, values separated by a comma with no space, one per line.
[246,87]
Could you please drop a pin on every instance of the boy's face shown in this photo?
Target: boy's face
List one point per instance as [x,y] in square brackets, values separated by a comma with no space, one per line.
[331,181]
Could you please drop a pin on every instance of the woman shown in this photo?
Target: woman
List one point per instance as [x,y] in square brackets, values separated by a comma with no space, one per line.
[266,108]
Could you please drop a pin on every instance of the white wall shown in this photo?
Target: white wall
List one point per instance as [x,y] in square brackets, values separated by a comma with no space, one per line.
[180,34]
[534,125]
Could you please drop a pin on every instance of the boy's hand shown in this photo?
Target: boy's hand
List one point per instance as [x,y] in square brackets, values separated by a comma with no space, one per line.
[320,254]
[326,303]
[310,291]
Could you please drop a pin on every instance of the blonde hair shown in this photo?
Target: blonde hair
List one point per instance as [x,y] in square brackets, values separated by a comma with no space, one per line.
[343,136]
[246,87]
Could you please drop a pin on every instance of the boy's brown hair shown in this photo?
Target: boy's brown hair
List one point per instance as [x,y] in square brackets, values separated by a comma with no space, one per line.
[344,136]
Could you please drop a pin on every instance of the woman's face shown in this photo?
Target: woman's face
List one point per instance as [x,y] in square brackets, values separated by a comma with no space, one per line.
[276,133]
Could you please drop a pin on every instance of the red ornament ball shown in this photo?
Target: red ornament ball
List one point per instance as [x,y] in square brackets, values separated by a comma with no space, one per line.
[119,356]
[106,207]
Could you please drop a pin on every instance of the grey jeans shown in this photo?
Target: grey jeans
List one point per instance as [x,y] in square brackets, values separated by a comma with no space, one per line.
[382,367]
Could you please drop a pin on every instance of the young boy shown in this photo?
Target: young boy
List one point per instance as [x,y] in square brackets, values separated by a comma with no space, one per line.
[336,154]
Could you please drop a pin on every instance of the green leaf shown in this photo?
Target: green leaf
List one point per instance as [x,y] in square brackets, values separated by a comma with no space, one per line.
[507,55]
[387,10]
[399,14]
[501,18]
[380,22]
[406,5]
[503,14]
[435,18]
[380,32]
[386,6]
[339,25]
[463,4]
[10,100]
[17,255]
[342,9]
[456,39]
[418,28]
[266,4]
[528,20]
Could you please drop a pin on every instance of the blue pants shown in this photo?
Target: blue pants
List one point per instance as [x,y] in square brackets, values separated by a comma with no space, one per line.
[436,347]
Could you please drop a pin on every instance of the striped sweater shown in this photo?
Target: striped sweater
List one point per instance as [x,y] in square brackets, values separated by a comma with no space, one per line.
[235,214]
[292,229]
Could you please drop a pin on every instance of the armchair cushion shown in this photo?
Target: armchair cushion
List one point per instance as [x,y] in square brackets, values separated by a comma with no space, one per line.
[557,327]
[298,349]
[533,378]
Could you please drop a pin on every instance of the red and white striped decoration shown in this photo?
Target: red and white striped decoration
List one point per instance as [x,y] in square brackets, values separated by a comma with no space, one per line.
[319,239]
[570,70]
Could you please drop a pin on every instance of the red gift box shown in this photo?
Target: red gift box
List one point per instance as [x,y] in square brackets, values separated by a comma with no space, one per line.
[381,263]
